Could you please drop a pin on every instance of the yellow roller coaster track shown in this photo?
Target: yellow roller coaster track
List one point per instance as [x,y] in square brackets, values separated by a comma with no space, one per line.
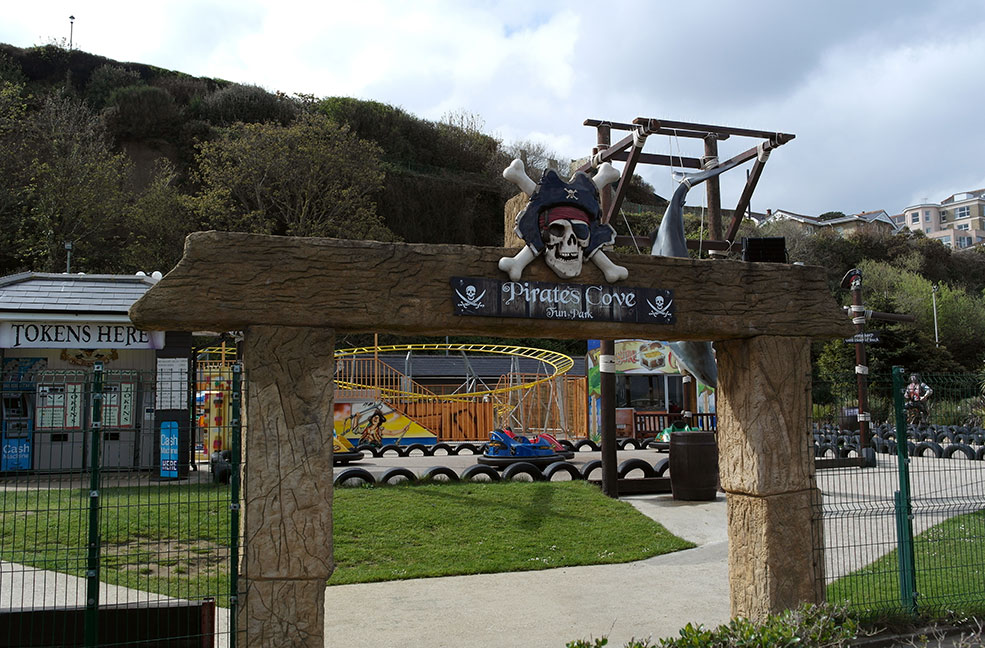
[559,362]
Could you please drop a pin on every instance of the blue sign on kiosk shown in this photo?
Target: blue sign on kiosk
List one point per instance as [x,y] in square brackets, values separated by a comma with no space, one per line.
[169,449]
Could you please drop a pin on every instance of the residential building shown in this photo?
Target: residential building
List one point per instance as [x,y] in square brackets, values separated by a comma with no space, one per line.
[958,221]
[843,225]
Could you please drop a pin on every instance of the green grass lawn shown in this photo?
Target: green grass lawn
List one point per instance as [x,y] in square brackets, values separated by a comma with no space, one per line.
[950,572]
[173,539]
[393,533]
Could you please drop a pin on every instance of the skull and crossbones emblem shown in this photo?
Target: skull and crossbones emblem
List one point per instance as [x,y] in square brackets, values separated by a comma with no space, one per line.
[470,299]
[659,307]
[562,221]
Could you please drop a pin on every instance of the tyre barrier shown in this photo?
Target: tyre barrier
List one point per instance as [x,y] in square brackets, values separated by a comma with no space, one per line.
[559,467]
[635,463]
[959,448]
[625,443]
[522,468]
[416,447]
[661,467]
[457,450]
[590,467]
[349,474]
[396,475]
[921,448]
[432,474]
[395,449]
[586,443]
[473,471]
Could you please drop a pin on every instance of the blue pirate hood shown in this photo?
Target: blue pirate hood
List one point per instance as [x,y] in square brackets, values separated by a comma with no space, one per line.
[555,195]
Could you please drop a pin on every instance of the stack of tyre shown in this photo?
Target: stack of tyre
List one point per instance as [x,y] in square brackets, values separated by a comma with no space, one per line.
[939,441]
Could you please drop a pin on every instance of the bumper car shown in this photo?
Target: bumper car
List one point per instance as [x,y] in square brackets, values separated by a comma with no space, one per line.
[505,448]
[342,451]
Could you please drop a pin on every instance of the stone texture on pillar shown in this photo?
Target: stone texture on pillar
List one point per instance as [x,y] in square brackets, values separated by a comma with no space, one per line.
[763,404]
[775,556]
[287,484]
[767,471]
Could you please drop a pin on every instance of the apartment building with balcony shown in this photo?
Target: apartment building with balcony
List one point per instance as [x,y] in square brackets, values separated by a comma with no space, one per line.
[958,221]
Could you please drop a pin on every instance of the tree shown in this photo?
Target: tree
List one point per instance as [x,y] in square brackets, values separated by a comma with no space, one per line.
[61,183]
[312,178]
[157,224]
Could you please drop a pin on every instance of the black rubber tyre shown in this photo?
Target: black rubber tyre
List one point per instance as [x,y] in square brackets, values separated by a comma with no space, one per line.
[980,455]
[473,471]
[661,467]
[559,467]
[922,447]
[432,474]
[586,443]
[959,448]
[440,446]
[415,447]
[626,443]
[825,449]
[590,467]
[391,449]
[635,463]
[371,449]
[567,445]
[522,468]
[393,475]
[848,450]
[354,473]
[457,450]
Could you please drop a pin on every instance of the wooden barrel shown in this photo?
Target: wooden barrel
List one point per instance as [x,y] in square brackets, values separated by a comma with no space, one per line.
[693,466]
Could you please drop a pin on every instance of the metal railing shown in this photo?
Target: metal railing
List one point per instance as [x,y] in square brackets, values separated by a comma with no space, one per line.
[904,518]
[111,532]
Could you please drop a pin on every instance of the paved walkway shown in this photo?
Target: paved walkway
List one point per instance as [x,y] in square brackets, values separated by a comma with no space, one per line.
[650,598]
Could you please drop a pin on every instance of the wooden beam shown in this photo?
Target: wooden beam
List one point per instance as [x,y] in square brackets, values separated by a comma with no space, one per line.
[743,204]
[653,158]
[774,136]
[228,281]
[659,131]
[644,243]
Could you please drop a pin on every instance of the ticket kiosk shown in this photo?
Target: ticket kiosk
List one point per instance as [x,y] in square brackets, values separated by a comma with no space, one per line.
[16,431]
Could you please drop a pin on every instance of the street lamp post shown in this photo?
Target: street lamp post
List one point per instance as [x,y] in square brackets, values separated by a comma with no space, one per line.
[71,30]
[68,257]
[933,296]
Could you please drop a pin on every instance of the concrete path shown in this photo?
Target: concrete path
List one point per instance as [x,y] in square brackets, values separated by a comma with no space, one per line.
[650,598]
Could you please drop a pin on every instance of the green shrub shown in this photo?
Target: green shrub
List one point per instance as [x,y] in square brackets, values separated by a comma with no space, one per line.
[248,104]
[107,79]
[809,626]
[141,112]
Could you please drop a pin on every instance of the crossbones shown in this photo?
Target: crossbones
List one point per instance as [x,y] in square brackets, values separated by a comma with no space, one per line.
[565,256]
[470,299]
[659,309]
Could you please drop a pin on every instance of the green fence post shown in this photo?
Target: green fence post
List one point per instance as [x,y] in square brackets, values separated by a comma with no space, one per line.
[904,507]
[92,560]
[234,484]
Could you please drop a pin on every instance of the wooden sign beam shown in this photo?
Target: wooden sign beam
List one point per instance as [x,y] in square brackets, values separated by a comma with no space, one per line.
[229,281]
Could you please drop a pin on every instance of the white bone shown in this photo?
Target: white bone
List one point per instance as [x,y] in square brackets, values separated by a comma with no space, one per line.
[514,265]
[516,174]
[610,270]
[606,175]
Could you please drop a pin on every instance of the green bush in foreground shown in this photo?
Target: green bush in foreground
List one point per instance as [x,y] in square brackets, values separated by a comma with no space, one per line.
[809,626]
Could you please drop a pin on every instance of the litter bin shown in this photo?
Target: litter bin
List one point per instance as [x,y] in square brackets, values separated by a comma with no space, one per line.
[693,465]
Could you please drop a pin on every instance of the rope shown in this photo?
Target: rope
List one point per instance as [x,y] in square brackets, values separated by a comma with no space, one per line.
[630,230]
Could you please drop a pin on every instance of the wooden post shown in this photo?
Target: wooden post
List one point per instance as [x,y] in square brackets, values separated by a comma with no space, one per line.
[767,471]
[288,485]
[607,376]
[713,189]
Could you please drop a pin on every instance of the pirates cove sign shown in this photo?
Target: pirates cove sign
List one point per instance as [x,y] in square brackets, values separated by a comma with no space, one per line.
[479,296]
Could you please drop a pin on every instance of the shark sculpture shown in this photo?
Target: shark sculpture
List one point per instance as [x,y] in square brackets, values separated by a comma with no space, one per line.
[669,240]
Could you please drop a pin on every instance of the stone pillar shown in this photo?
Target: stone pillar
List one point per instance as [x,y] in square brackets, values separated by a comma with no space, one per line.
[287,555]
[767,471]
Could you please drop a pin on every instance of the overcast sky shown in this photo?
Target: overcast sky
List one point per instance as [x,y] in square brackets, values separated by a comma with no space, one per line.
[886,98]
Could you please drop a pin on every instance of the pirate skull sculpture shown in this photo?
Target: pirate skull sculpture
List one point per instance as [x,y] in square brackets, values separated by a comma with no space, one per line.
[562,220]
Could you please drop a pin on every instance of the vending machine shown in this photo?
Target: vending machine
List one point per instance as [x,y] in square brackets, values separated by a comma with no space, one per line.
[16,431]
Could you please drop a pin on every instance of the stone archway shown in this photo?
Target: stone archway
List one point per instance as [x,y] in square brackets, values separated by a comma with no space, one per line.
[291,295]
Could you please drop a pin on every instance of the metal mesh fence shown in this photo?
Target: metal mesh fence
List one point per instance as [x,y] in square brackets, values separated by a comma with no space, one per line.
[114,531]
[905,530]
